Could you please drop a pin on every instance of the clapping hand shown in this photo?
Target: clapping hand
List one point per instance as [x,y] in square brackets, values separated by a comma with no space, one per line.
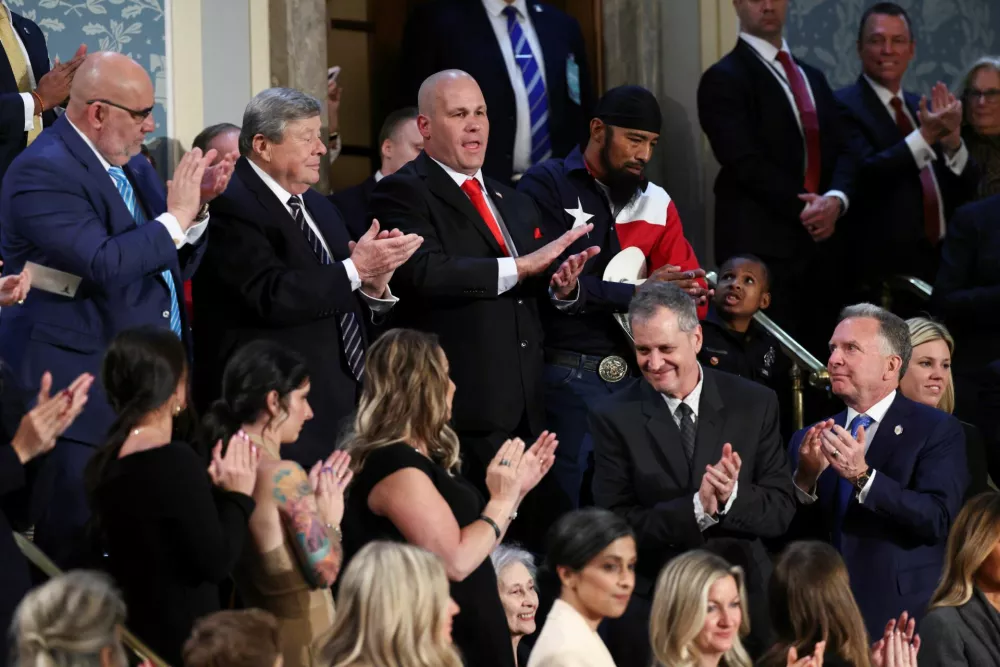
[216,177]
[900,644]
[814,660]
[686,280]
[564,280]
[844,453]
[812,461]
[377,254]
[237,470]
[537,461]
[50,417]
[14,288]
[724,474]
[942,121]
[502,479]
[184,189]
[328,480]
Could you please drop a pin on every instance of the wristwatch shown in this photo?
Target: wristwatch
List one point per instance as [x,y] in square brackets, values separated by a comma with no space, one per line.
[202,213]
[862,479]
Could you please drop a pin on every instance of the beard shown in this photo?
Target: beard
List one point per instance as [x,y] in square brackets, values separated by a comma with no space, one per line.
[622,184]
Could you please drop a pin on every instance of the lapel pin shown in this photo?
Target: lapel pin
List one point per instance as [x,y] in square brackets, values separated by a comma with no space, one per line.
[498,194]
[898,430]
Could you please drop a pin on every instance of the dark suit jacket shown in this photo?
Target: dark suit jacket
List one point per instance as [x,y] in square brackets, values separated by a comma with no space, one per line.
[60,209]
[457,34]
[966,635]
[887,210]
[642,474]
[353,206]
[751,126]
[988,418]
[894,544]
[262,280]
[13,138]
[449,287]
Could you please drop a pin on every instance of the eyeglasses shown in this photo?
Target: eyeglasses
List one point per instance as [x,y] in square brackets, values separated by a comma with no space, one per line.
[138,115]
[991,95]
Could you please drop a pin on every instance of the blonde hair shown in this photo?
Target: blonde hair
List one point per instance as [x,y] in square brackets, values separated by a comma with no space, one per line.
[68,621]
[391,611]
[404,399]
[973,537]
[680,605]
[925,330]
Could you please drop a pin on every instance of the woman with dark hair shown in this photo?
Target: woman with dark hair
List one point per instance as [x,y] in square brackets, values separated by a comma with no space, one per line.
[172,532]
[294,555]
[590,561]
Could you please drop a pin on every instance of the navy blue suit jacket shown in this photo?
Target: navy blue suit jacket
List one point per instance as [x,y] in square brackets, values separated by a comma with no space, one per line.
[894,544]
[13,138]
[60,209]
[353,206]
[457,34]
[887,209]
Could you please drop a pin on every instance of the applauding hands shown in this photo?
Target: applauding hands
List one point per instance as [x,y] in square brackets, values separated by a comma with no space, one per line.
[719,481]
[899,645]
[514,472]
[50,417]
[237,470]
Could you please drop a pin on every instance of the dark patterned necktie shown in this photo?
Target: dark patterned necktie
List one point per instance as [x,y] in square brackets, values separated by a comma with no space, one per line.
[688,429]
[350,331]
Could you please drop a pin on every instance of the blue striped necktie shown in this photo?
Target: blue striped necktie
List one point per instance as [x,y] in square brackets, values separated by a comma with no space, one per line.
[128,194]
[350,331]
[845,488]
[538,101]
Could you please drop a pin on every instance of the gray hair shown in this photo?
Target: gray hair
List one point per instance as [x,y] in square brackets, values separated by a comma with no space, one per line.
[655,294]
[987,62]
[68,621]
[504,556]
[893,333]
[270,111]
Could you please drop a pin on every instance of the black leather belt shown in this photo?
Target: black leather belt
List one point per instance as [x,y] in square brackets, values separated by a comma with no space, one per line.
[611,368]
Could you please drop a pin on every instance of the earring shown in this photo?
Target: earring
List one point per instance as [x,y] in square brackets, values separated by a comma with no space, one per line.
[177,410]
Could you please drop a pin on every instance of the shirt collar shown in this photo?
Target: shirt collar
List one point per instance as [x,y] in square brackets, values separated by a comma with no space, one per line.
[692,400]
[884,94]
[764,47]
[460,178]
[495,7]
[876,412]
[6,10]
[378,176]
[90,144]
[281,193]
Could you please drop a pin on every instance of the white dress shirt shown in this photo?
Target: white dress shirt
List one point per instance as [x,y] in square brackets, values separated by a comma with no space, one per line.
[522,133]
[922,152]
[378,176]
[167,219]
[769,55]
[29,101]
[877,413]
[377,305]
[692,400]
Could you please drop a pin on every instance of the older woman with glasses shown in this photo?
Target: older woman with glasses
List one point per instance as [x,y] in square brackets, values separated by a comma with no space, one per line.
[981,128]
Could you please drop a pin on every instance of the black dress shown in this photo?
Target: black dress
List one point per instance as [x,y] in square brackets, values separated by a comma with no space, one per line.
[171,538]
[480,629]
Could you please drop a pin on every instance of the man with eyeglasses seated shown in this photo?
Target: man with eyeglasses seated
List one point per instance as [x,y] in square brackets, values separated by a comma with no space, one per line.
[108,251]
[913,168]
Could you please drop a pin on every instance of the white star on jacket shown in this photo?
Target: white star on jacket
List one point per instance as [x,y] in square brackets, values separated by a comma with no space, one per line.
[580,217]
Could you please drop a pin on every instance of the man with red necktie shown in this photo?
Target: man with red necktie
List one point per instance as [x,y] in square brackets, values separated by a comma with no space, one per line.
[786,174]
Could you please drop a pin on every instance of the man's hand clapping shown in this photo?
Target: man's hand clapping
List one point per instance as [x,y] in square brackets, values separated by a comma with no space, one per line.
[378,253]
[812,462]
[216,177]
[563,282]
[184,189]
[943,120]
[14,288]
[537,262]
[719,481]
[53,87]
[686,280]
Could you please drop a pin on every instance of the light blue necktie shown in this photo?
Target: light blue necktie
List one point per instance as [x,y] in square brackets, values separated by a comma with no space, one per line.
[128,194]
[538,101]
[845,488]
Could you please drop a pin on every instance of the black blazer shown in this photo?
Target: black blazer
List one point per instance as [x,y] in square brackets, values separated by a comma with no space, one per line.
[449,287]
[887,209]
[751,126]
[966,635]
[353,206]
[642,474]
[457,34]
[260,279]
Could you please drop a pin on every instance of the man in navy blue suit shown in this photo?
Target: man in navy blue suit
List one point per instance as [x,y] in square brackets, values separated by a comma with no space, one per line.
[883,480]
[530,62]
[82,201]
[913,168]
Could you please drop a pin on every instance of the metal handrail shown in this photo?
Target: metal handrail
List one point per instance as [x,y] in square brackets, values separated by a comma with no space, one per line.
[50,569]
[919,288]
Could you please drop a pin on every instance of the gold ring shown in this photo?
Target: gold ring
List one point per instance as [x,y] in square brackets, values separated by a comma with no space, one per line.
[20,302]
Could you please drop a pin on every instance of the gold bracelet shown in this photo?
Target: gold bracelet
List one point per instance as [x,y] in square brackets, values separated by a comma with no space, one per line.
[336,531]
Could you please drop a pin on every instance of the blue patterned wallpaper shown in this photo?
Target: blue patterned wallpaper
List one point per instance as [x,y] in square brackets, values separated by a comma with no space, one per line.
[950,35]
[133,27]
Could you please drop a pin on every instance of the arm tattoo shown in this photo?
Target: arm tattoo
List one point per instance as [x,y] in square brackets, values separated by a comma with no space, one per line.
[320,553]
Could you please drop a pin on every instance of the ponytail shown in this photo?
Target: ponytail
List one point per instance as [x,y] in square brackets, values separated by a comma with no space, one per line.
[219,423]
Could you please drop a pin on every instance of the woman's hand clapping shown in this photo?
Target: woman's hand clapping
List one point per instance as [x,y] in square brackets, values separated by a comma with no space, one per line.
[237,470]
[328,480]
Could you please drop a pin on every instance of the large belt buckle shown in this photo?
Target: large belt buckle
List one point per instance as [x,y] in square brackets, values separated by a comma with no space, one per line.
[612,368]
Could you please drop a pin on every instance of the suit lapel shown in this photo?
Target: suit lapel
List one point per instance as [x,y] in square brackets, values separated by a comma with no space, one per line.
[441,185]
[327,221]
[886,437]
[766,83]
[666,436]
[884,124]
[708,436]
[510,214]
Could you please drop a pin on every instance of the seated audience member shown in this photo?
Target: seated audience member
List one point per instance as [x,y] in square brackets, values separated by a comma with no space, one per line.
[961,625]
[393,610]
[813,613]
[928,380]
[223,137]
[399,142]
[407,486]
[73,620]
[883,480]
[590,564]
[515,570]
[699,614]
[172,532]
[981,129]
[294,554]
[30,434]
[692,458]
[245,638]
[587,355]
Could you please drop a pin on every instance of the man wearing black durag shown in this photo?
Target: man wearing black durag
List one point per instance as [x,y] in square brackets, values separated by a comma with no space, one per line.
[587,354]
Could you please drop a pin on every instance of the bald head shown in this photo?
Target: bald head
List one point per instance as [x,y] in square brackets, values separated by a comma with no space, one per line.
[453,120]
[108,75]
[436,87]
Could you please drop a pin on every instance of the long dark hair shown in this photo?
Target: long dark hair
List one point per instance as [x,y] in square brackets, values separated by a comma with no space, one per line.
[140,372]
[256,370]
[575,540]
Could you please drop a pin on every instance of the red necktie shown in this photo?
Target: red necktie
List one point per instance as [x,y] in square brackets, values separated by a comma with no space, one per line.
[810,121]
[472,188]
[932,209]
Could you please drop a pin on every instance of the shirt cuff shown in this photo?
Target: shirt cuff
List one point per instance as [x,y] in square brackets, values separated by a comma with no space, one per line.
[177,235]
[922,152]
[864,491]
[195,231]
[842,197]
[732,497]
[506,275]
[958,161]
[29,111]
[352,273]
[380,306]
[803,497]
[704,520]
[565,305]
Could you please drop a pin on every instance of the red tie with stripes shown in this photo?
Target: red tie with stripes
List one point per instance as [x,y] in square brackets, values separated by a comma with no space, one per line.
[932,207]
[810,121]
